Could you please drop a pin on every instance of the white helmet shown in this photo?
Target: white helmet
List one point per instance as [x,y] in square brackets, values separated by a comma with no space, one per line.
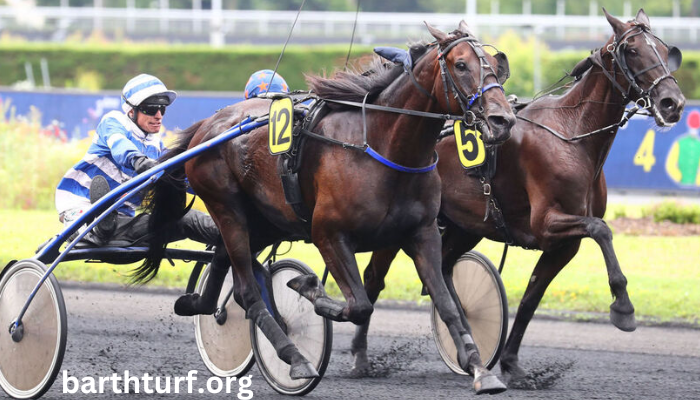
[142,87]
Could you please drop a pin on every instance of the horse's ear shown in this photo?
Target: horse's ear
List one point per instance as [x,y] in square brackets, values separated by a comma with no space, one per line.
[642,18]
[503,71]
[617,25]
[581,68]
[464,28]
[437,33]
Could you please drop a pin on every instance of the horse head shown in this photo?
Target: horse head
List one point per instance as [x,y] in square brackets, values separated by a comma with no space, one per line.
[472,81]
[646,63]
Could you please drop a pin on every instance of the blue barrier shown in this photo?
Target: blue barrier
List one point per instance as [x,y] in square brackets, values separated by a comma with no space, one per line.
[643,156]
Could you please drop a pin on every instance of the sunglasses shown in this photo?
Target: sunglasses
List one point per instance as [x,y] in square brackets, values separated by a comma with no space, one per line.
[152,109]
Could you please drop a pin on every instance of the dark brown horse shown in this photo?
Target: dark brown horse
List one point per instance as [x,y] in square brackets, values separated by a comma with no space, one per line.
[549,180]
[357,203]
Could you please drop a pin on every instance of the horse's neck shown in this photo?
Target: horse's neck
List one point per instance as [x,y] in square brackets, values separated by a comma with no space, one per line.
[405,139]
[600,105]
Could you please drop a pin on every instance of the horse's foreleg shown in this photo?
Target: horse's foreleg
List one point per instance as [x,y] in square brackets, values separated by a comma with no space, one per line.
[424,249]
[621,310]
[548,266]
[340,261]
[561,227]
[374,283]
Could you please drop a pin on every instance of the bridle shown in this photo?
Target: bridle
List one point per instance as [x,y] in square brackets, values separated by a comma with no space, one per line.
[466,101]
[643,96]
[616,50]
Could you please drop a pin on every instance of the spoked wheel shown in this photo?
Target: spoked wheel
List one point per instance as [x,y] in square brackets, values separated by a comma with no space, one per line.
[30,362]
[311,333]
[483,299]
[223,339]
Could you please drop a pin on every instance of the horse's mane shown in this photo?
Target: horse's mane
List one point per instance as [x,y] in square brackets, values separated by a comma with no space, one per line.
[354,85]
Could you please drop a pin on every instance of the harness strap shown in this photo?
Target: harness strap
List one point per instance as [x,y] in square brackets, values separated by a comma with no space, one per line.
[419,87]
[372,153]
[476,95]
[598,60]
[414,113]
[626,117]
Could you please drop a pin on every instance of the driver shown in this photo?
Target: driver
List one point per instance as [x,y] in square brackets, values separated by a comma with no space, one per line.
[126,143]
[260,83]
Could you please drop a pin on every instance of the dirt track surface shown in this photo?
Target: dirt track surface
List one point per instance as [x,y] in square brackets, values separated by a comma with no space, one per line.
[115,330]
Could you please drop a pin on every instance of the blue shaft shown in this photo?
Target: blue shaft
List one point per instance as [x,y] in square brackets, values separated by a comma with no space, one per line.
[116,205]
[121,194]
[237,130]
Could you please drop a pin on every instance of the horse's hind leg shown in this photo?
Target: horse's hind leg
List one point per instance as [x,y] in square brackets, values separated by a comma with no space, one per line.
[424,249]
[455,242]
[549,265]
[192,303]
[233,224]
[374,276]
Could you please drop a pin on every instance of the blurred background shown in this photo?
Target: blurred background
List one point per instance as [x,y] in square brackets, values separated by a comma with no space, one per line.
[63,63]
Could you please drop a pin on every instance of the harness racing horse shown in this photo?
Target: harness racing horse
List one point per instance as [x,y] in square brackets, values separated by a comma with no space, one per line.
[356,203]
[549,182]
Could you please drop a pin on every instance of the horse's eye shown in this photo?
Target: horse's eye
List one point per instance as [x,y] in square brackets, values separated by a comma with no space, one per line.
[461,66]
[632,52]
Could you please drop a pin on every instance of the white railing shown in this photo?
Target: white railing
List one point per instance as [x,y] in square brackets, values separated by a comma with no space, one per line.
[218,26]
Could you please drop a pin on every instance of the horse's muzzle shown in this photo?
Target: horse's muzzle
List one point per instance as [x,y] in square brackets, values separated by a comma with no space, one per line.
[499,128]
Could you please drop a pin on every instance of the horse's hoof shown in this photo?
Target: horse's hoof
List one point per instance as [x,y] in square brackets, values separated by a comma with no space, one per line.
[186,306]
[308,286]
[303,370]
[362,365]
[488,384]
[623,322]
[329,308]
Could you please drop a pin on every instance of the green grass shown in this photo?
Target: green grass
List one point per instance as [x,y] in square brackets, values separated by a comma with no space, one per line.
[662,272]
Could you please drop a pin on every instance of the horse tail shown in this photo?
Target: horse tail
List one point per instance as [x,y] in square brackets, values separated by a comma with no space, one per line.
[165,202]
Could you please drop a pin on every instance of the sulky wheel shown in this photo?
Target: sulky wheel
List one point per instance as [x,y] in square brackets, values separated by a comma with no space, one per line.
[223,339]
[31,358]
[311,333]
[483,298]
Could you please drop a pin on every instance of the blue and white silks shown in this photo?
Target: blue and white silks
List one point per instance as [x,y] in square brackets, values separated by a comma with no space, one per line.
[116,142]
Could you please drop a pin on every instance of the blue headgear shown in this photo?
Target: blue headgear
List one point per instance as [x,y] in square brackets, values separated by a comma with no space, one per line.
[259,83]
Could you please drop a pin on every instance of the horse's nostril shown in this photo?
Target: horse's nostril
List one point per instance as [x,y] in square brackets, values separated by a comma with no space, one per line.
[500,121]
[668,104]
[496,121]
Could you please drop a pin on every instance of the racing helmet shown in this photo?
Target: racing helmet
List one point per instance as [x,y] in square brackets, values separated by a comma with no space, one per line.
[142,87]
[259,83]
